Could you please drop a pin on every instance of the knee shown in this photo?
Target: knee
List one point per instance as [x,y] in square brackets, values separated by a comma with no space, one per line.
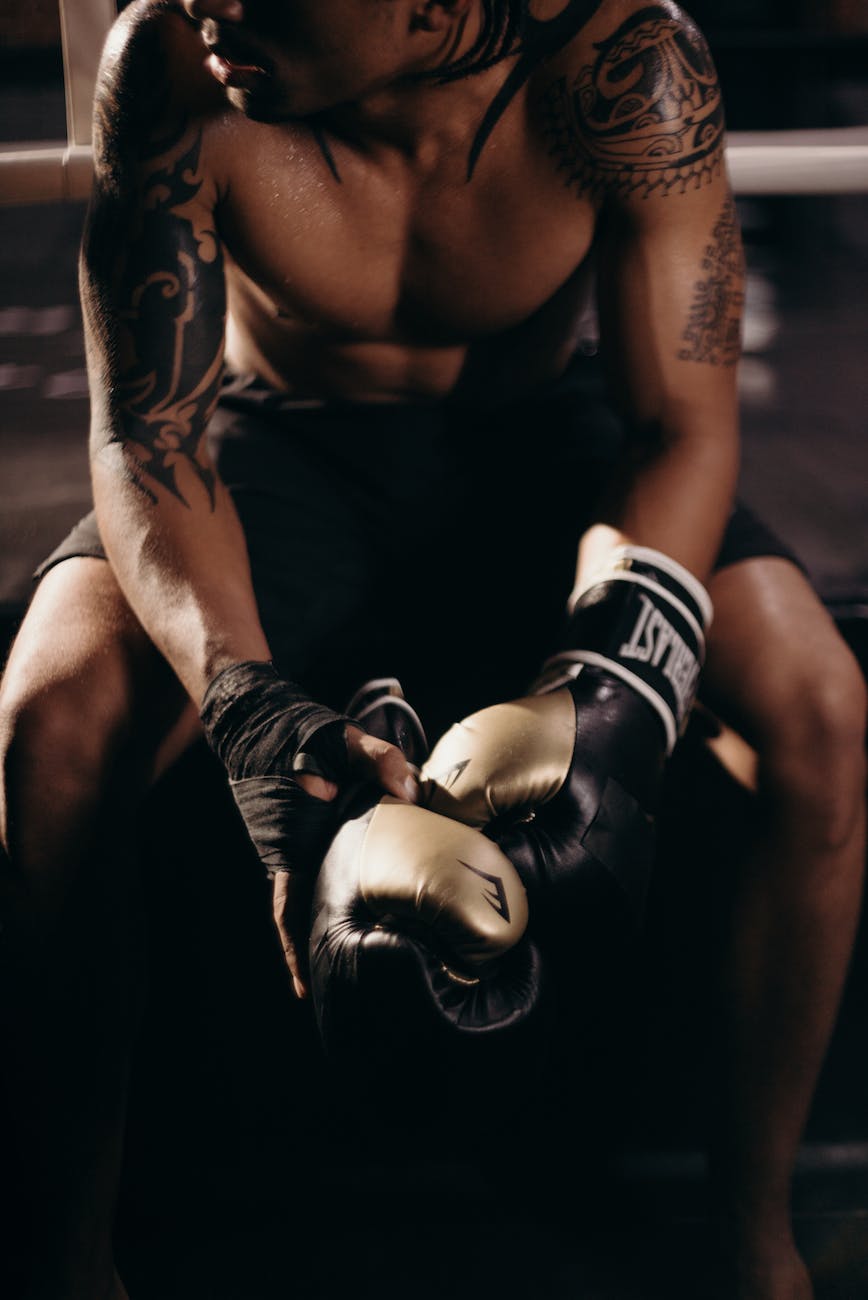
[813,762]
[58,744]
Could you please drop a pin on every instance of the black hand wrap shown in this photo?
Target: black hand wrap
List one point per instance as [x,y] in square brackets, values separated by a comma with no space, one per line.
[266,731]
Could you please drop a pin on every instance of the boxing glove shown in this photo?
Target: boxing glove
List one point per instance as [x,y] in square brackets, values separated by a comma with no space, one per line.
[566,780]
[418,925]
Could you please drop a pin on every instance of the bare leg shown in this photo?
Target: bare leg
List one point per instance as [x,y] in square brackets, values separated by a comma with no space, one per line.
[85,705]
[782,676]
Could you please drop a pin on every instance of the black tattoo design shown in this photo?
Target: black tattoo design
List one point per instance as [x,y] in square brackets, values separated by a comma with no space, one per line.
[712,333]
[152,284]
[713,330]
[540,39]
[166,143]
[172,309]
[133,94]
[324,147]
[646,117]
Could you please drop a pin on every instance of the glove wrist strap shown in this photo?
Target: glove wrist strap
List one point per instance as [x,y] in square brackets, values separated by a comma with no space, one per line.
[643,619]
[653,566]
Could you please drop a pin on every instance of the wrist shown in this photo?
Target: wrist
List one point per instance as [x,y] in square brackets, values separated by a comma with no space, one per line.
[258,723]
[654,565]
[226,652]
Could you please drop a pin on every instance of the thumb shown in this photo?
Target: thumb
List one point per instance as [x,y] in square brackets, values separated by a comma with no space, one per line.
[318,786]
[376,760]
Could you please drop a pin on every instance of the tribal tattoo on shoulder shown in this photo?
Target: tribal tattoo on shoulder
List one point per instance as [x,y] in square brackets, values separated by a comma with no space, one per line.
[713,330]
[645,118]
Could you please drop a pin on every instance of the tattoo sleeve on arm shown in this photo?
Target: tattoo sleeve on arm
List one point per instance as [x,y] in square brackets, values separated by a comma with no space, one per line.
[713,330]
[171,313]
[154,296]
[645,118]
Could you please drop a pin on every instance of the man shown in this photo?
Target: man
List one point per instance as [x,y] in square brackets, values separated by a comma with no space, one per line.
[393,203]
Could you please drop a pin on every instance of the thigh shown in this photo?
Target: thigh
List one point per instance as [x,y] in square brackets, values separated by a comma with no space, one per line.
[777,668]
[82,675]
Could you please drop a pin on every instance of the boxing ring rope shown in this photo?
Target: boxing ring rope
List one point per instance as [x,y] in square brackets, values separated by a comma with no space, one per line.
[830,161]
[47,173]
[825,161]
[833,161]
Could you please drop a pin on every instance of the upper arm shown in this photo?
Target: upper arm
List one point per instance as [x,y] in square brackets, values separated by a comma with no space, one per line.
[151,270]
[644,124]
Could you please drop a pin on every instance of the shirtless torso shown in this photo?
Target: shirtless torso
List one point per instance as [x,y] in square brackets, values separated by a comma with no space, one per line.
[397,240]
[361,260]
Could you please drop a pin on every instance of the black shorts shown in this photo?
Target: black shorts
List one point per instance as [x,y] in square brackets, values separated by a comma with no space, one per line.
[433,542]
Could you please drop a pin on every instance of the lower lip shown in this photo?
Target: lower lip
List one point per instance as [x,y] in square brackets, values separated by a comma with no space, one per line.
[242,75]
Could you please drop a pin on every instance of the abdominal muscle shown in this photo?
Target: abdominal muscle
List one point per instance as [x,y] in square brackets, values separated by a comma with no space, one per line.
[300,358]
[299,362]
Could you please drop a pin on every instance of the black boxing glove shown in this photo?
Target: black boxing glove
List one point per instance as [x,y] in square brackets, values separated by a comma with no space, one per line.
[643,617]
[418,927]
[566,780]
[266,731]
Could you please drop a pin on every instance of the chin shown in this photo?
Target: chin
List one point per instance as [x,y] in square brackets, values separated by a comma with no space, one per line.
[261,108]
[273,108]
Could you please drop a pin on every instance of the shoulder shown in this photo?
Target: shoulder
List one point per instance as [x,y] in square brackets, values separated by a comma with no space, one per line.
[153,93]
[632,104]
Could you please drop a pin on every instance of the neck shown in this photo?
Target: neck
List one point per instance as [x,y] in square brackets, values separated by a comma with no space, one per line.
[418,119]
[422,109]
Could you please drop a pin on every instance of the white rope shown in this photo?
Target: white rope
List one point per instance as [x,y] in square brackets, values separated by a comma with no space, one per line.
[83,28]
[836,162]
[49,173]
[833,161]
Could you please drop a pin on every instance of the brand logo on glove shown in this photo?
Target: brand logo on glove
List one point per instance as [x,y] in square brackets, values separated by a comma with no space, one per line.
[497,899]
[653,636]
[447,779]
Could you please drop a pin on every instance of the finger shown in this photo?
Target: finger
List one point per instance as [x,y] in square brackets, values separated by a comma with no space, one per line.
[318,786]
[377,760]
[290,902]
[290,954]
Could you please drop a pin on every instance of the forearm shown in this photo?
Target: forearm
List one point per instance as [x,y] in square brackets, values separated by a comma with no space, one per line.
[184,571]
[153,299]
[677,500]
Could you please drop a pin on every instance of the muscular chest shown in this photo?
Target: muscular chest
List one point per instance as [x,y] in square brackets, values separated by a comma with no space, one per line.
[393,252]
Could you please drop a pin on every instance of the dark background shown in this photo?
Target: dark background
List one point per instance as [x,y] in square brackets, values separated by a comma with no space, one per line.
[234,1166]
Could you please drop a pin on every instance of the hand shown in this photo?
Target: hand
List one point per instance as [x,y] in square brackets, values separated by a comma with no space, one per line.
[370,760]
[268,734]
